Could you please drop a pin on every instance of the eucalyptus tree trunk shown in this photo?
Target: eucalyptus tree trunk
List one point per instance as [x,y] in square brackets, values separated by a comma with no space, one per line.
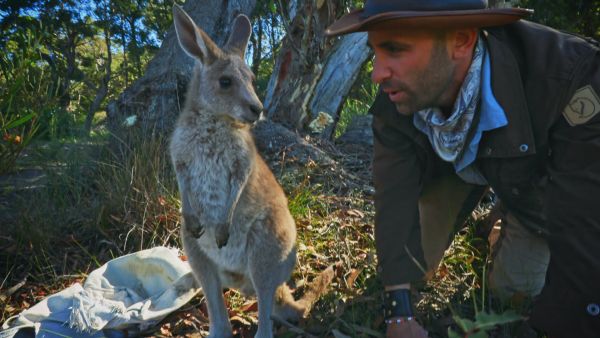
[152,102]
[102,90]
[343,66]
[313,74]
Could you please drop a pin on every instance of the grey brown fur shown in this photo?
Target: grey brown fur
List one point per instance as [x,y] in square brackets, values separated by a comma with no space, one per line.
[237,231]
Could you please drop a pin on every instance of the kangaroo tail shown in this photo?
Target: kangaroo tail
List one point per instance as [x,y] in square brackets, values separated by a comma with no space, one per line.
[293,310]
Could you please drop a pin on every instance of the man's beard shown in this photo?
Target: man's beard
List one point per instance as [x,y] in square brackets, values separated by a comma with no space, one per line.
[429,86]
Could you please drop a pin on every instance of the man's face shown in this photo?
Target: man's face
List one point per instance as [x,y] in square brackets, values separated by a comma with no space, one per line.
[412,67]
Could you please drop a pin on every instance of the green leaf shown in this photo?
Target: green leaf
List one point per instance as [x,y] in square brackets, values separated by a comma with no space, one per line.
[465,324]
[486,321]
[452,334]
[366,330]
[478,334]
[20,121]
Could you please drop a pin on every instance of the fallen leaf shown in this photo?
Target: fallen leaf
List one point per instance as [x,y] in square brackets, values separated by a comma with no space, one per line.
[443,271]
[240,320]
[355,213]
[354,273]
[166,330]
[251,306]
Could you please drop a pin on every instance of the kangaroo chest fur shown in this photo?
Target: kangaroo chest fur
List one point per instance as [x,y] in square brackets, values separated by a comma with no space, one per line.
[211,155]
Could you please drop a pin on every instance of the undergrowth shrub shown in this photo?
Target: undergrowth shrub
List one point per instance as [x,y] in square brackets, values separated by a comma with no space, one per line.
[97,201]
[139,189]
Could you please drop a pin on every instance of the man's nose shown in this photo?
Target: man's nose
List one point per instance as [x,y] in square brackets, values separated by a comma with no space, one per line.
[381,71]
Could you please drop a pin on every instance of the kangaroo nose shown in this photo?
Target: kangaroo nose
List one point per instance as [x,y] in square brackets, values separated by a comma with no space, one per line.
[256,109]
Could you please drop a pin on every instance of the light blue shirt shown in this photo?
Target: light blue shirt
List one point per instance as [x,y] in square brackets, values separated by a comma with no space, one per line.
[491,117]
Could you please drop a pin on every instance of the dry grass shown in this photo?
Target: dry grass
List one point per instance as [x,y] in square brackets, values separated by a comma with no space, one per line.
[97,205]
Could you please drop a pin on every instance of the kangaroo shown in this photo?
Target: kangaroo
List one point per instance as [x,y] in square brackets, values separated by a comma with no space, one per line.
[237,230]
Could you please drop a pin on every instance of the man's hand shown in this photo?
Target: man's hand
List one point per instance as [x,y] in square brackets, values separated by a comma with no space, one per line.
[406,329]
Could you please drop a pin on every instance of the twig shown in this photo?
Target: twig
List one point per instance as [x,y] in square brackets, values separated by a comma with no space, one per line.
[13,289]
[292,327]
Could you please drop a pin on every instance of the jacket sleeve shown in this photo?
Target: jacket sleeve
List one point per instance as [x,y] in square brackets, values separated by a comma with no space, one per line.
[397,178]
[572,209]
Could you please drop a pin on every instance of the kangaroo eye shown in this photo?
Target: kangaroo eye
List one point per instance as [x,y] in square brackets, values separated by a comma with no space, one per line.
[225,82]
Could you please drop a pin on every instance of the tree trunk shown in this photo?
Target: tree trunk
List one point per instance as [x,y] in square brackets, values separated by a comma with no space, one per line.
[155,98]
[70,54]
[103,89]
[343,66]
[300,62]
[313,74]
[125,64]
[257,45]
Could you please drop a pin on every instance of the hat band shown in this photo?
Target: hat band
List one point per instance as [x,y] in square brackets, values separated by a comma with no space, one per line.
[374,7]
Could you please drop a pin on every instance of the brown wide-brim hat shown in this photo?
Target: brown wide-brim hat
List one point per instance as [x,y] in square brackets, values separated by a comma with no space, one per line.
[387,14]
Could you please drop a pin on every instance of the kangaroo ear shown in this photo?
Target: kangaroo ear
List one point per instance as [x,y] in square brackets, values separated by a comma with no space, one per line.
[240,34]
[194,41]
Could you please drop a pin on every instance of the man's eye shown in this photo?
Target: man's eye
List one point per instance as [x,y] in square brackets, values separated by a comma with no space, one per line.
[225,82]
[394,49]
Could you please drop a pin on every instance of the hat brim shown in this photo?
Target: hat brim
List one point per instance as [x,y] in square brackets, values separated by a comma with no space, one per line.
[354,21]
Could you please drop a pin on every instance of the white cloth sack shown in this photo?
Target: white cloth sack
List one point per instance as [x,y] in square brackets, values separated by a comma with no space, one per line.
[128,294]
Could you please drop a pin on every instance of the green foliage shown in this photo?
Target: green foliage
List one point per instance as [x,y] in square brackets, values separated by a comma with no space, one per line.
[139,193]
[53,55]
[303,197]
[16,134]
[483,323]
[24,92]
[359,99]
[94,198]
[575,16]
[60,203]
[263,75]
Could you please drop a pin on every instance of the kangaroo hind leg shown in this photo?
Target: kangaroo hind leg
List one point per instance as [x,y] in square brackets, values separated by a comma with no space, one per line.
[206,272]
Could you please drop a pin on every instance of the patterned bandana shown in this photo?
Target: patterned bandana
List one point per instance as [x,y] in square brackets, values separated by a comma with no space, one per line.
[448,136]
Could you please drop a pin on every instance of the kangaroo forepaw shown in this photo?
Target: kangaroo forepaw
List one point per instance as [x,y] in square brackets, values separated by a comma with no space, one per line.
[222,236]
[196,231]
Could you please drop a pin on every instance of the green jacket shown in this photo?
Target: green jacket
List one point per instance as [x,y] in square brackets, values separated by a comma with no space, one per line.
[544,165]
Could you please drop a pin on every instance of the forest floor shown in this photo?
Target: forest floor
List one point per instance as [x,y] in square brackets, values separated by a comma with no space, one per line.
[69,210]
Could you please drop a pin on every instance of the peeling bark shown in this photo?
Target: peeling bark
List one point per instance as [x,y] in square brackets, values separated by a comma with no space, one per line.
[313,74]
[340,73]
[300,63]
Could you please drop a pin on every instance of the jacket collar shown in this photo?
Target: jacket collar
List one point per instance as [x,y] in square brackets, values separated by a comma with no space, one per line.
[516,138]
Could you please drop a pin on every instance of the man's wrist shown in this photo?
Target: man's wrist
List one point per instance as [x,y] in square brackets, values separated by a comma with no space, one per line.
[398,320]
[397,287]
[397,303]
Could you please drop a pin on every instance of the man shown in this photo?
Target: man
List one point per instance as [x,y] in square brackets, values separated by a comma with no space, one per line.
[472,97]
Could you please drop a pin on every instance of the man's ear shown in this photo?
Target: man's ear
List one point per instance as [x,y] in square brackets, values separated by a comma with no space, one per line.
[462,42]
